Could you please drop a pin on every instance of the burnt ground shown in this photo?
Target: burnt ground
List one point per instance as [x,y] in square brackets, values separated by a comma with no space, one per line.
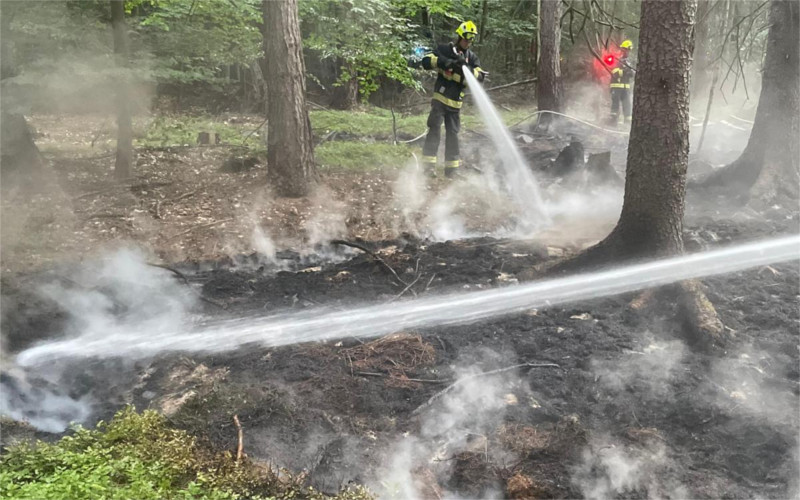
[630,410]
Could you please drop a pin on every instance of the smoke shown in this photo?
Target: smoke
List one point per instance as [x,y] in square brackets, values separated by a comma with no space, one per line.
[410,195]
[39,402]
[263,244]
[460,420]
[445,223]
[608,469]
[746,383]
[73,74]
[327,221]
[123,295]
[649,370]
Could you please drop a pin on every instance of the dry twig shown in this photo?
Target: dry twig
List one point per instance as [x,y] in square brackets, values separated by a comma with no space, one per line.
[240,449]
[478,375]
[371,254]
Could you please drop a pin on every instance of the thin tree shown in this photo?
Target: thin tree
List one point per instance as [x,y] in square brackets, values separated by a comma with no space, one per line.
[549,89]
[122,166]
[21,161]
[290,152]
[768,166]
[651,222]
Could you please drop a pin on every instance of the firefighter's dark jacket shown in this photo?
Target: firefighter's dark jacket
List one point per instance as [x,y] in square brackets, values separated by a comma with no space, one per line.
[622,74]
[450,84]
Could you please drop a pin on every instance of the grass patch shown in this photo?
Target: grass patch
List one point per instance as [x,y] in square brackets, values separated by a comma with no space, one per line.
[377,122]
[182,130]
[141,456]
[354,155]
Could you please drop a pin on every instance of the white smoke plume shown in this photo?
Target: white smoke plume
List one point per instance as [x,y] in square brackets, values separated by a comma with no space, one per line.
[126,295]
[327,221]
[608,469]
[462,419]
[650,369]
[409,198]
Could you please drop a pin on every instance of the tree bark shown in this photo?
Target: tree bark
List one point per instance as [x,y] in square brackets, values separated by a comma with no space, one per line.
[651,221]
[549,91]
[20,159]
[290,153]
[484,18]
[122,166]
[345,96]
[768,166]
[702,50]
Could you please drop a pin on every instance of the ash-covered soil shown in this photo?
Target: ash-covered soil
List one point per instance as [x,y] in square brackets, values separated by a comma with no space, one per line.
[595,399]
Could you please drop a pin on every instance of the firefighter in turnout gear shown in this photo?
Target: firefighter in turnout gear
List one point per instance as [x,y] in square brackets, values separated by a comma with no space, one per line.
[621,78]
[448,60]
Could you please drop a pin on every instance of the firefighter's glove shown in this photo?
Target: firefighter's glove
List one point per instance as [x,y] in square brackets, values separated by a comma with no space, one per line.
[461,60]
[480,75]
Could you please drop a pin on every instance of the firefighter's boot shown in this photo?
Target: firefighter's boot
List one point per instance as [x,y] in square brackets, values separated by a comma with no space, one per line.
[452,169]
[453,173]
[429,166]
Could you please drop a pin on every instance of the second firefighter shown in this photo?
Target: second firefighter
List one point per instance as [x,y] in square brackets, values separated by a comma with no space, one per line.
[621,79]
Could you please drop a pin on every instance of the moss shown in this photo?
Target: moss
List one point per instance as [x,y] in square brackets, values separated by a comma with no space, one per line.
[142,456]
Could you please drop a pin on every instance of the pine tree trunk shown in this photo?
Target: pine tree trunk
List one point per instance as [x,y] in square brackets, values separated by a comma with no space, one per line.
[290,154]
[122,166]
[651,221]
[549,88]
[345,96]
[658,154]
[702,55]
[484,18]
[21,161]
[769,162]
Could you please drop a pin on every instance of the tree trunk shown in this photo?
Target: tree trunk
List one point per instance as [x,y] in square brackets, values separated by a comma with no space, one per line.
[21,161]
[345,96]
[549,93]
[122,166]
[658,154]
[701,72]
[651,222]
[484,18]
[290,153]
[768,166]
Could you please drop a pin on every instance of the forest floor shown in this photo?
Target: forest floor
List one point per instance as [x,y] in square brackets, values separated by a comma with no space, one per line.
[622,408]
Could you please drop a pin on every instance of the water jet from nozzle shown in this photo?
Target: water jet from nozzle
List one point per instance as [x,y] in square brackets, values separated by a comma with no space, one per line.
[376,320]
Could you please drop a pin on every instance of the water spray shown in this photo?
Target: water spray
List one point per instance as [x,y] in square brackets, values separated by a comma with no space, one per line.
[130,341]
[518,177]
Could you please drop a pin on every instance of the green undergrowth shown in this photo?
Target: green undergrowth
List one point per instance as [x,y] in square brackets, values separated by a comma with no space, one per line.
[182,130]
[354,155]
[142,456]
[363,143]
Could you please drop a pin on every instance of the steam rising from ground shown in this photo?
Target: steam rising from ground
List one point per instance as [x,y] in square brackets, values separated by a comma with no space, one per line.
[736,386]
[124,294]
[609,469]
[460,421]
[479,205]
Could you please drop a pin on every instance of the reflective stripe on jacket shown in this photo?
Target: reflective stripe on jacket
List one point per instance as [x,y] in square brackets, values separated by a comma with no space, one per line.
[449,87]
[622,74]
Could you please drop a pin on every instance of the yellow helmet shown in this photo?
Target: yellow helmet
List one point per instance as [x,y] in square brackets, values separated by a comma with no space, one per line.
[467,30]
[627,44]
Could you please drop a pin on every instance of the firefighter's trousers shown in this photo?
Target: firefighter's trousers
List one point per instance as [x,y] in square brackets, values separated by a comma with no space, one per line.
[452,124]
[620,97]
